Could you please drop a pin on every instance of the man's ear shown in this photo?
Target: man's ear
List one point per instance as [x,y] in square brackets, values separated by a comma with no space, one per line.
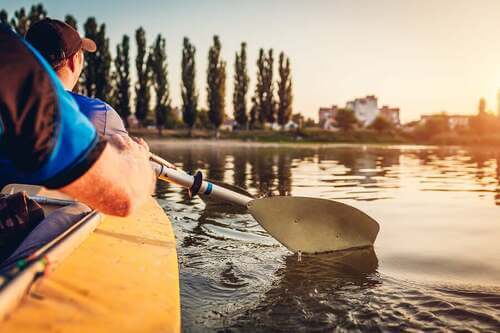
[73,61]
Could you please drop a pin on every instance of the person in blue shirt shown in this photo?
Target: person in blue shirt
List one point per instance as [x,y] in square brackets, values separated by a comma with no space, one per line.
[45,139]
[53,39]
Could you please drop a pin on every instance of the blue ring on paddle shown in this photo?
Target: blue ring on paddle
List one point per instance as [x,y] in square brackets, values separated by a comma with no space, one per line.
[209,188]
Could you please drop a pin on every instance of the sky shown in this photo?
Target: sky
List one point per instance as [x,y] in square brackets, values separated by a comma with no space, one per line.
[423,56]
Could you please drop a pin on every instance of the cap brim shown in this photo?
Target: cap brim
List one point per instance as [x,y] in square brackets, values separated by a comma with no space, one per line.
[88,45]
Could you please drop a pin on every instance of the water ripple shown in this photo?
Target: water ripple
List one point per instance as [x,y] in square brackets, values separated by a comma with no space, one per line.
[435,264]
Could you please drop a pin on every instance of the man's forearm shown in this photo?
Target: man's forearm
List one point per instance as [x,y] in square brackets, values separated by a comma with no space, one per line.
[117,184]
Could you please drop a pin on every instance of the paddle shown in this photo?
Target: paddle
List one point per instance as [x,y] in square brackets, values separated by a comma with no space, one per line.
[307,225]
[231,187]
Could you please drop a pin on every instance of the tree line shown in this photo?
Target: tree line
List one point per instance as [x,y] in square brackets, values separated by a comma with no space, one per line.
[110,79]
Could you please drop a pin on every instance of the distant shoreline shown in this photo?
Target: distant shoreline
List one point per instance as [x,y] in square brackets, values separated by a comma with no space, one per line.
[314,137]
[173,144]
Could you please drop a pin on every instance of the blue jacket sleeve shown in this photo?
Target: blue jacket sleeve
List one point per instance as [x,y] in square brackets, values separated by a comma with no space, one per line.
[44,139]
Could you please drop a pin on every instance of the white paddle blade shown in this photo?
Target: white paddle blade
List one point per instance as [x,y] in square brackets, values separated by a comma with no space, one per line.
[313,225]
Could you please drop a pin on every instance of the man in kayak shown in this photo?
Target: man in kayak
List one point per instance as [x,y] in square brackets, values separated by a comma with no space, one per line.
[64,50]
[46,140]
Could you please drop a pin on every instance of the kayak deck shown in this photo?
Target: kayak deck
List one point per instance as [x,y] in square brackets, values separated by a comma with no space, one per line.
[124,277]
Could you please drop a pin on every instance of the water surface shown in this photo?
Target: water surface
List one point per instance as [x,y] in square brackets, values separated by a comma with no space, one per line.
[435,265]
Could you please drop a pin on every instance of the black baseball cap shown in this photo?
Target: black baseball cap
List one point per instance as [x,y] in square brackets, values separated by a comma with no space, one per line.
[57,40]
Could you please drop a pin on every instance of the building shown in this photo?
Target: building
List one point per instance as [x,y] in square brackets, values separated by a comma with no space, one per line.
[390,114]
[289,126]
[327,115]
[365,109]
[454,121]
[458,121]
[176,113]
[228,125]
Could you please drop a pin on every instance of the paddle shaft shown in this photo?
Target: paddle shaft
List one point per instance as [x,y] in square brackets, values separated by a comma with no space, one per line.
[196,184]
[51,201]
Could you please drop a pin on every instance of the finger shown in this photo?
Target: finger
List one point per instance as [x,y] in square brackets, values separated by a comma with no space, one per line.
[118,141]
[137,140]
[141,142]
[144,143]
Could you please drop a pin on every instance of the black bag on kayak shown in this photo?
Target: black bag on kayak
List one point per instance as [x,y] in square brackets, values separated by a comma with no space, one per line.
[19,215]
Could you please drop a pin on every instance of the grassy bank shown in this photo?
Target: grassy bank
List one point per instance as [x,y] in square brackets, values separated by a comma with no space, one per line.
[314,135]
[303,135]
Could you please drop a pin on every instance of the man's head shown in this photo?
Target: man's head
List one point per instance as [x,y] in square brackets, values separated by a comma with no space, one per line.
[62,47]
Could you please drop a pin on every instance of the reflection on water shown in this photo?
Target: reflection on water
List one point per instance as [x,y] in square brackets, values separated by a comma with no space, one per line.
[435,264]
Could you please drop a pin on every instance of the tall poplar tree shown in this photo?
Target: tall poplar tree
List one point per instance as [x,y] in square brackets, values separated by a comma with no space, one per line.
[142,88]
[4,17]
[20,21]
[188,86]
[284,91]
[241,81]
[103,87]
[216,85]
[159,76]
[89,75]
[259,88]
[122,77]
[97,69]
[37,13]
[481,109]
[71,20]
[268,104]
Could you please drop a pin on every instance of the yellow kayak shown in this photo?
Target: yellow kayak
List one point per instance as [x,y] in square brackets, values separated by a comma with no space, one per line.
[119,275]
